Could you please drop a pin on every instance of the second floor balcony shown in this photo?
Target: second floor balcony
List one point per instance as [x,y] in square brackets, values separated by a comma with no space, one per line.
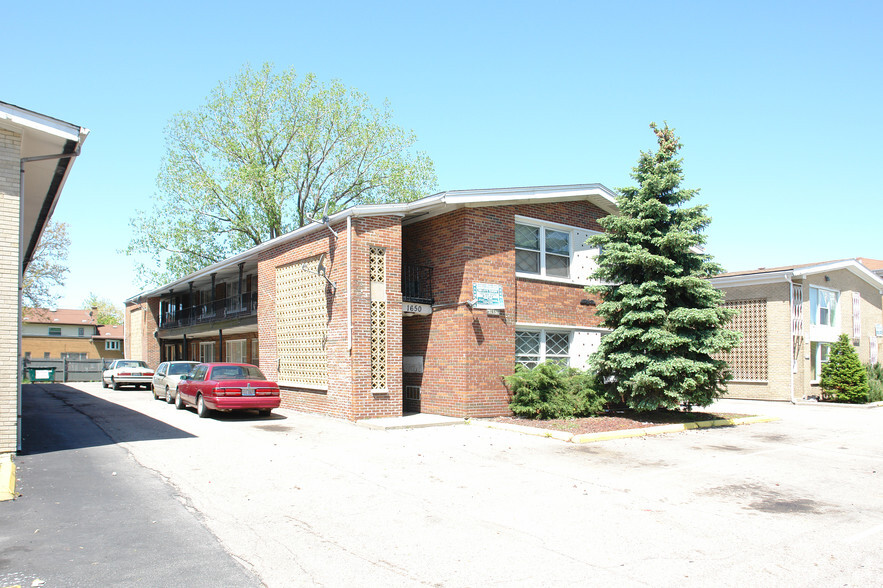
[239,306]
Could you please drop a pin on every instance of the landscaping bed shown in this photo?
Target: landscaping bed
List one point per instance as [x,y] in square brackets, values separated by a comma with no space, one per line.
[618,421]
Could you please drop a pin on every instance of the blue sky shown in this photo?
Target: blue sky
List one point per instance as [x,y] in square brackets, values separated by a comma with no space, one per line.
[777,103]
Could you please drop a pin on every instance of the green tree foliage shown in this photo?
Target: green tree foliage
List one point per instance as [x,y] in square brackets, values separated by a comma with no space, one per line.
[666,318]
[263,153]
[844,378]
[875,382]
[47,269]
[550,391]
[108,313]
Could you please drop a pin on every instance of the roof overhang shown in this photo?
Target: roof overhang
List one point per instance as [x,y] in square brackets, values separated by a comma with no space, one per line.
[44,178]
[799,273]
[427,207]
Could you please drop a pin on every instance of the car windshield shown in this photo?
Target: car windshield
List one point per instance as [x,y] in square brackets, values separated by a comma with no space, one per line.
[237,372]
[178,369]
[131,364]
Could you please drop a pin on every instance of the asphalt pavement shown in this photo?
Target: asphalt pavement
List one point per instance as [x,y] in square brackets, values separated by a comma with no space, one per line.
[89,515]
[306,500]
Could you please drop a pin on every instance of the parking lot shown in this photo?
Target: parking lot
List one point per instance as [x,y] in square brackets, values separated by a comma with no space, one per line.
[309,500]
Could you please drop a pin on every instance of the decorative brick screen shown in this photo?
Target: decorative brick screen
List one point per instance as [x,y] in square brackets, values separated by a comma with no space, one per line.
[748,361]
[377,272]
[301,324]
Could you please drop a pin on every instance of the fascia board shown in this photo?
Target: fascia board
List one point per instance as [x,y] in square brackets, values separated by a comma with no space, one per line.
[851,265]
[751,279]
[26,119]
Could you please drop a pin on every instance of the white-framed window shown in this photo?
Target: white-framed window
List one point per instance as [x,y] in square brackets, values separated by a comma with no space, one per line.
[542,250]
[206,351]
[111,345]
[819,356]
[255,352]
[236,351]
[81,331]
[823,306]
[536,346]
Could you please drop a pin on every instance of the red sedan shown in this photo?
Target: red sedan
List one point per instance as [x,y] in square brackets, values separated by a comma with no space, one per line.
[226,386]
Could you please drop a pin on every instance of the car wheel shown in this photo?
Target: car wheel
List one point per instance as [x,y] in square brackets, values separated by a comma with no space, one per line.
[202,410]
[264,412]
[155,395]
[116,385]
[103,383]
[179,402]
[169,395]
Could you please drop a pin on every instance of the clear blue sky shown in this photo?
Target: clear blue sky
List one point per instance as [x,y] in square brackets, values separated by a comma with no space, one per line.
[778,104]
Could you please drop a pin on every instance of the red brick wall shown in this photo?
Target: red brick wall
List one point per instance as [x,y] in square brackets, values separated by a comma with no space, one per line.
[466,352]
[149,344]
[349,393]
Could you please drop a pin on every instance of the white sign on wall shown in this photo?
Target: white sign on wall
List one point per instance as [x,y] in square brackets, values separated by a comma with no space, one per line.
[488,296]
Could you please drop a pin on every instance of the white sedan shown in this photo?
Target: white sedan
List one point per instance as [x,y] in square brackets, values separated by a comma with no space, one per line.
[127,372]
[165,380]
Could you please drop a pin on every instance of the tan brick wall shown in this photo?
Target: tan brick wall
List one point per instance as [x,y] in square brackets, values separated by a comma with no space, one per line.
[55,346]
[778,309]
[778,386]
[10,153]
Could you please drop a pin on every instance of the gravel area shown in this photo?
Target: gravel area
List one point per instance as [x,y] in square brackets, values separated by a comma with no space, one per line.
[618,420]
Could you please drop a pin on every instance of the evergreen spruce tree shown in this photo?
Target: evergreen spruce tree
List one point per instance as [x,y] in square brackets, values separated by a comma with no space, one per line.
[666,318]
[844,377]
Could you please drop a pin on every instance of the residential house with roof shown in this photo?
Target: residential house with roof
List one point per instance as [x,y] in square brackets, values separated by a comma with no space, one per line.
[383,309]
[789,317]
[37,153]
[69,334]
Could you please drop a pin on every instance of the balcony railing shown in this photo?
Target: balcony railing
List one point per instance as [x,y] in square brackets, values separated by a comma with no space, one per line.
[417,284]
[238,306]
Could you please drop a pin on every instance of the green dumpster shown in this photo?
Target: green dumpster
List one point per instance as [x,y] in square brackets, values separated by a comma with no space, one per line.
[40,374]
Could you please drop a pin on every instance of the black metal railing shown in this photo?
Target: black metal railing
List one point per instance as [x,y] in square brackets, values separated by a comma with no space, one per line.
[239,306]
[417,284]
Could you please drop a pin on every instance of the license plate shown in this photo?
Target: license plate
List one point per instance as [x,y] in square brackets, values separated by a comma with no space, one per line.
[248,391]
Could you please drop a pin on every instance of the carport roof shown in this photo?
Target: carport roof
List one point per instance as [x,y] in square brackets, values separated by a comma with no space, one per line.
[415,211]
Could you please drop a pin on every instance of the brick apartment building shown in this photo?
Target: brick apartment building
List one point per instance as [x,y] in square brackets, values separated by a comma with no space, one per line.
[790,316]
[37,153]
[414,307]
[69,334]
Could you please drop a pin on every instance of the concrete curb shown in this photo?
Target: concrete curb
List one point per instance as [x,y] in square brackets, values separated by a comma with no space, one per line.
[624,433]
[7,478]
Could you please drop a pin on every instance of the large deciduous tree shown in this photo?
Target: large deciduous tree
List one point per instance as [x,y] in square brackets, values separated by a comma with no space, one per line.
[47,269]
[106,313]
[263,153]
[667,319]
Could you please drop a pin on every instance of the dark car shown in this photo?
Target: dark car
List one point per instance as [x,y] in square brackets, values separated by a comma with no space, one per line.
[227,386]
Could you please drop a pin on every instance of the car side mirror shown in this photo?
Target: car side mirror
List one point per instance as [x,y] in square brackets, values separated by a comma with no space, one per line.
[185,377]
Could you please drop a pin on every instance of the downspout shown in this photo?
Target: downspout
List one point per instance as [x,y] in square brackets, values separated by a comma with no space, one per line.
[21,234]
[349,284]
[791,314]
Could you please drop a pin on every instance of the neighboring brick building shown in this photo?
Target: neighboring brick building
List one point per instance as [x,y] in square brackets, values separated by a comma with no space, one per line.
[69,334]
[36,156]
[422,306]
[789,316]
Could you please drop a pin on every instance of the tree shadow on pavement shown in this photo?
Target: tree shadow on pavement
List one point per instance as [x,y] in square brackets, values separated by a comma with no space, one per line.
[56,417]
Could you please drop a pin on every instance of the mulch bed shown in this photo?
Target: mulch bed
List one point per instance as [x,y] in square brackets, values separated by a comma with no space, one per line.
[618,420]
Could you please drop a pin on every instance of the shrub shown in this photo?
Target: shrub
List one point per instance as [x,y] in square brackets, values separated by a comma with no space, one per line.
[550,391]
[875,382]
[844,377]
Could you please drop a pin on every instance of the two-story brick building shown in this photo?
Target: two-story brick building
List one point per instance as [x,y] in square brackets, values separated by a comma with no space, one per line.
[69,334]
[392,308]
[790,316]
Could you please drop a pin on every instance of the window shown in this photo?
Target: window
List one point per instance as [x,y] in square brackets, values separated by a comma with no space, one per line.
[236,351]
[207,352]
[45,355]
[255,353]
[81,332]
[534,347]
[111,345]
[55,331]
[27,355]
[542,251]
[199,373]
[823,306]
[819,353]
